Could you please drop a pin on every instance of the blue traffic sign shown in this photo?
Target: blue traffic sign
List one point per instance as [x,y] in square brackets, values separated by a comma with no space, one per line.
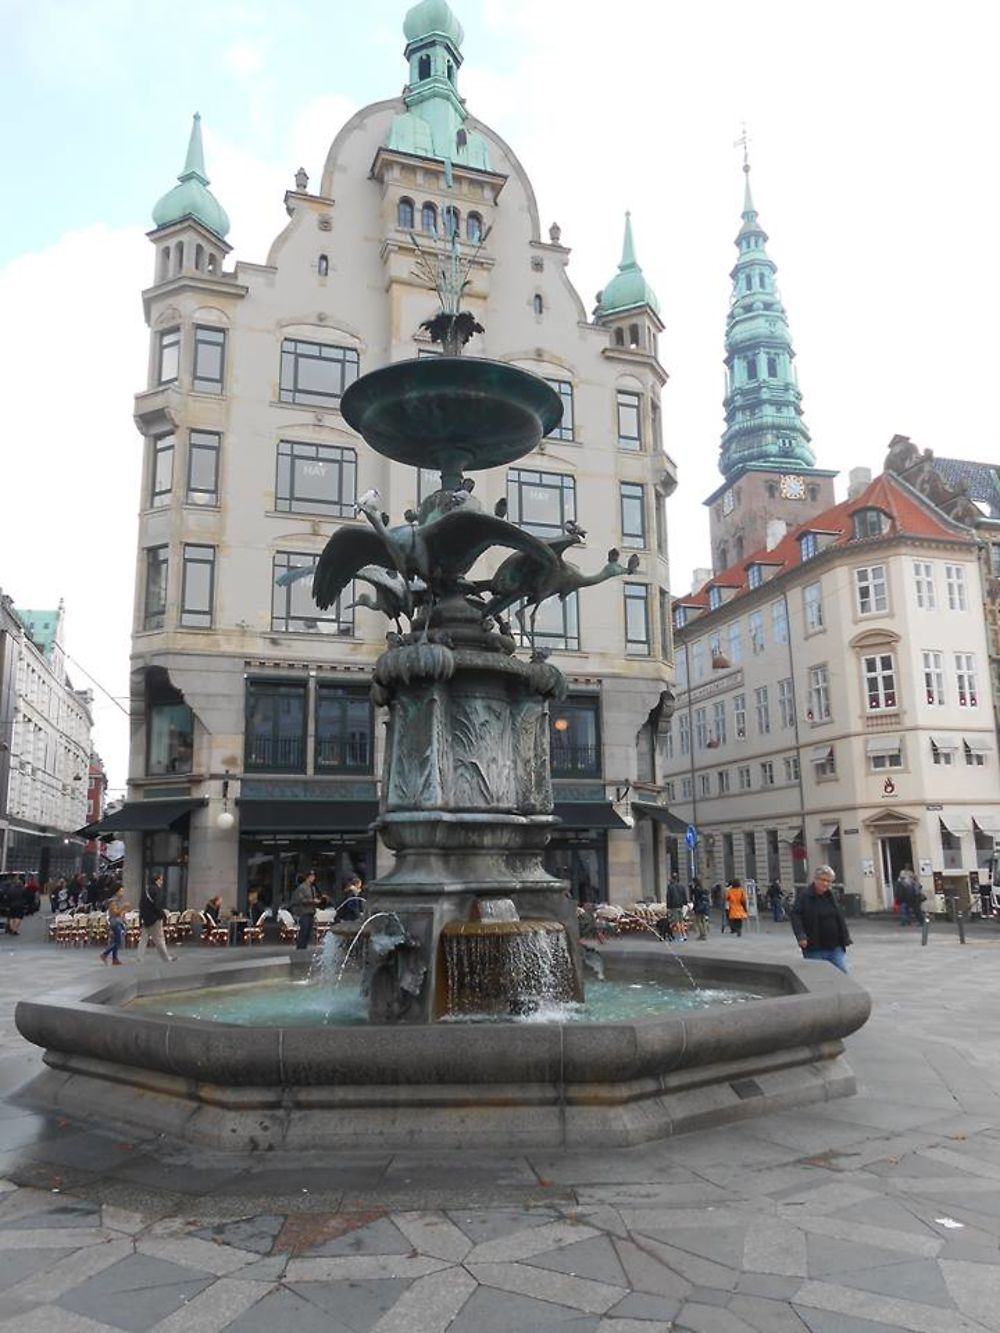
[691,836]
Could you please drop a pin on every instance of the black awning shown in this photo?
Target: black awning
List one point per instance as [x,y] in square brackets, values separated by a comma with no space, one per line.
[588,814]
[306,816]
[647,810]
[141,817]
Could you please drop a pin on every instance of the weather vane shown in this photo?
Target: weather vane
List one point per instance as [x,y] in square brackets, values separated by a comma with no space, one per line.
[744,142]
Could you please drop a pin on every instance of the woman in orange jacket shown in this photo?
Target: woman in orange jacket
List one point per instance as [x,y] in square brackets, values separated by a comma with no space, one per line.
[736,906]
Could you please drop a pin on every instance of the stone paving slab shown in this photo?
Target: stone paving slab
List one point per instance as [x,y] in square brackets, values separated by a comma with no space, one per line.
[873,1214]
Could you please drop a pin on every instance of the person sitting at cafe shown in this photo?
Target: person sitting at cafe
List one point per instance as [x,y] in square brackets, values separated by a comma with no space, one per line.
[213,909]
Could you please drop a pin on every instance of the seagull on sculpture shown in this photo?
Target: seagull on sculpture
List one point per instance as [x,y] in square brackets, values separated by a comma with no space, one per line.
[370,500]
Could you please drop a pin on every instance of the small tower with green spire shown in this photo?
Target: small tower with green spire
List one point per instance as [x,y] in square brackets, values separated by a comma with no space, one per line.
[766,456]
[190,225]
[628,304]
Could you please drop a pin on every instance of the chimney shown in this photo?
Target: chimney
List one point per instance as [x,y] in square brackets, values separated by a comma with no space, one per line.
[858,479]
[699,578]
[776,529]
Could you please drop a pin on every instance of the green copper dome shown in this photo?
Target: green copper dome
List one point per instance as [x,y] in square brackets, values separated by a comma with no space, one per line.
[191,198]
[628,289]
[432,16]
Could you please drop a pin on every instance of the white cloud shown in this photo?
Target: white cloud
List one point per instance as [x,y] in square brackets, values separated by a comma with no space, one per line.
[244,58]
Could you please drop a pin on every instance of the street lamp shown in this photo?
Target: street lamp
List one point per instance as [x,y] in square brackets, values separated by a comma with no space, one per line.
[225,819]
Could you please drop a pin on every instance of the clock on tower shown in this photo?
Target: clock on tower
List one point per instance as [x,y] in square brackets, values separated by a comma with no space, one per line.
[792,487]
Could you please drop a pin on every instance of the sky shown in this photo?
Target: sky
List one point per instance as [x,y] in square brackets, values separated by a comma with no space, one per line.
[873,138]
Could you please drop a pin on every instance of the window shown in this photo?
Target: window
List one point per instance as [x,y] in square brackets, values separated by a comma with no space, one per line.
[871,589]
[629,420]
[745,780]
[701,728]
[772,361]
[786,702]
[808,546]
[923,582]
[867,523]
[323,266]
[965,680]
[755,624]
[633,506]
[954,581]
[767,773]
[557,624]
[452,221]
[934,677]
[155,603]
[405,214]
[698,659]
[292,607]
[209,359]
[315,479]
[636,618]
[681,671]
[755,576]
[197,586]
[540,502]
[564,431]
[169,739]
[276,726]
[203,468]
[667,734]
[812,600]
[763,709]
[660,514]
[429,219]
[343,730]
[750,365]
[575,738]
[735,643]
[943,753]
[169,356]
[666,647]
[791,763]
[474,228]
[779,621]
[880,681]
[316,373]
[538,304]
[825,762]
[995,559]
[714,598]
[162,471]
[719,722]
[885,752]
[819,693]
[975,755]
[740,716]
[722,782]
[705,784]
[671,789]
[686,789]
[680,617]
[684,732]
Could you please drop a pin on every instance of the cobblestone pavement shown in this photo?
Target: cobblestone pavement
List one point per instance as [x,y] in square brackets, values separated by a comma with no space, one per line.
[874,1213]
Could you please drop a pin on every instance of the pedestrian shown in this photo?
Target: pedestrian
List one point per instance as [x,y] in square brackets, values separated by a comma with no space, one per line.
[736,907]
[701,906]
[906,891]
[213,910]
[117,907]
[677,900]
[151,917]
[352,905]
[18,905]
[303,905]
[776,900]
[818,922]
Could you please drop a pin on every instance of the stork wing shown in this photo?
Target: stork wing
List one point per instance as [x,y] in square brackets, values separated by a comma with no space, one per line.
[457,539]
[390,581]
[348,551]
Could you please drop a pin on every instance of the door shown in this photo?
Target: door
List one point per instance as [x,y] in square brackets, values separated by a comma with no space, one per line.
[894,854]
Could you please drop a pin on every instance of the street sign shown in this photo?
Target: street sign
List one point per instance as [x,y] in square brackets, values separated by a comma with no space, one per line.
[691,837]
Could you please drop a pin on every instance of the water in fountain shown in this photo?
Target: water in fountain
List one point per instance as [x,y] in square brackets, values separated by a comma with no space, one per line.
[637,920]
[371,939]
[497,909]
[506,967]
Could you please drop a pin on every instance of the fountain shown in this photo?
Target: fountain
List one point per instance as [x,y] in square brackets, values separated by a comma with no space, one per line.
[472,924]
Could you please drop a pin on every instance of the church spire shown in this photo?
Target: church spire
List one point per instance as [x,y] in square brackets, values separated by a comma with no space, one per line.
[628,289]
[191,197]
[763,405]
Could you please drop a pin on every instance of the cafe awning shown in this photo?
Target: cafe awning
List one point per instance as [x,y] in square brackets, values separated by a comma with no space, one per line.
[978,744]
[884,745]
[660,813]
[822,753]
[828,832]
[944,742]
[589,814]
[141,817]
[987,821]
[263,817]
[955,822]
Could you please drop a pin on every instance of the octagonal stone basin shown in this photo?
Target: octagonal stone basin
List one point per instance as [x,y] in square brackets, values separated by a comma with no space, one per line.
[448,1086]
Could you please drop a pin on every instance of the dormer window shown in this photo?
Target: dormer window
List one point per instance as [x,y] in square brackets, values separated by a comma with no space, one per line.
[808,546]
[868,523]
[714,598]
[755,576]
[680,617]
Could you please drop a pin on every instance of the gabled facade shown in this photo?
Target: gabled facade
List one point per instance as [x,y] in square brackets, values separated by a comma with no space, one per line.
[835,706]
[246,699]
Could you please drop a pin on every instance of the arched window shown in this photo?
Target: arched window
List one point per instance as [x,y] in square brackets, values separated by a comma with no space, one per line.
[747,281]
[772,367]
[199,258]
[634,337]
[165,262]
[452,221]
[762,281]
[619,337]
[474,228]
[213,262]
[404,214]
[323,266]
[424,67]
[179,257]
[451,72]
[429,219]
[538,305]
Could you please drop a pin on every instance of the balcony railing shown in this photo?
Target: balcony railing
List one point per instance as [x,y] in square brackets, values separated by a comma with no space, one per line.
[276,754]
[575,760]
[334,754]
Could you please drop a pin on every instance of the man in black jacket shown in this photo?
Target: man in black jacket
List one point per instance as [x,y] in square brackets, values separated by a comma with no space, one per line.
[818,922]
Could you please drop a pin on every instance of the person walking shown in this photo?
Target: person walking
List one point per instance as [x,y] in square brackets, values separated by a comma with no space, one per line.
[151,917]
[303,906]
[117,907]
[736,907]
[677,898]
[907,893]
[776,900]
[701,905]
[818,923]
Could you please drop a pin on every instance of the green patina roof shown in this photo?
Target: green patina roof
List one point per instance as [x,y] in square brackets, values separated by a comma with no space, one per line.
[41,627]
[191,197]
[432,17]
[628,289]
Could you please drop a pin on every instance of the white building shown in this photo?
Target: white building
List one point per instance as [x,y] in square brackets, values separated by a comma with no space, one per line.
[834,704]
[45,745]
[246,699]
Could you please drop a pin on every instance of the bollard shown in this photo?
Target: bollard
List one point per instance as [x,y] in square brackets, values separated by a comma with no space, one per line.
[925,929]
[961,926]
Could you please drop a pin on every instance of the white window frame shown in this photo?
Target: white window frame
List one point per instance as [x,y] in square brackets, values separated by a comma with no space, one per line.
[877,669]
[812,605]
[923,585]
[819,693]
[872,587]
[762,710]
[779,621]
[965,680]
[740,717]
[766,773]
[755,625]
[954,582]
[745,777]
[786,703]
[933,668]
